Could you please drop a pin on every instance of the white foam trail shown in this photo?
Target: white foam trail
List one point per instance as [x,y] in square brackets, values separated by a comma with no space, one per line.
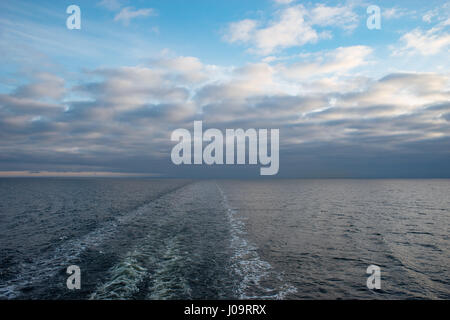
[47,266]
[127,277]
[248,264]
[166,284]
[125,280]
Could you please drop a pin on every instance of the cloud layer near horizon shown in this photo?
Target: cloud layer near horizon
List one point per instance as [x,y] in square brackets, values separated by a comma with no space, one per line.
[335,119]
[125,115]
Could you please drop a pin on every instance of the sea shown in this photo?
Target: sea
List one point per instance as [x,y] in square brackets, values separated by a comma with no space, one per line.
[167,239]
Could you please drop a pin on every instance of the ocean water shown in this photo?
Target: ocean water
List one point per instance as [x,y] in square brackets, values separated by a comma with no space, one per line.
[224,239]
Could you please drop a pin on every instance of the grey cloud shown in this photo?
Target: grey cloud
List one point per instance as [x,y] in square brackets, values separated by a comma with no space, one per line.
[126,121]
[45,86]
[15,105]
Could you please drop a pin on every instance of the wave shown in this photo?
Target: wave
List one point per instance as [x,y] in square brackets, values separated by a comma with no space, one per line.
[48,265]
[125,280]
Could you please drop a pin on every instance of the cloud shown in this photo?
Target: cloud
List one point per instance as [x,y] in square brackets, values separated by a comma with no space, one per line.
[426,43]
[127,14]
[45,86]
[405,93]
[13,105]
[241,31]
[428,17]
[291,27]
[337,61]
[339,111]
[76,174]
[185,69]
[284,1]
[342,16]
[395,13]
[128,87]
[438,14]
[120,119]
[112,5]
[242,83]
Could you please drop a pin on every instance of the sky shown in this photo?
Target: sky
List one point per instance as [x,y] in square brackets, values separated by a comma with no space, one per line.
[349,101]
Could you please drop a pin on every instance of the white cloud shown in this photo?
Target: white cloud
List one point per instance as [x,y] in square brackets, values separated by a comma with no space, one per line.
[342,16]
[185,69]
[292,27]
[405,92]
[284,1]
[245,82]
[289,29]
[433,41]
[428,17]
[429,42]
[338,61]
[241,31]
[438,14]
[128,13]
[110,4]
[394,13]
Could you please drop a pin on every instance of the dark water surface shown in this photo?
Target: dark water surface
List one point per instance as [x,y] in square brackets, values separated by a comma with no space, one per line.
[177,239]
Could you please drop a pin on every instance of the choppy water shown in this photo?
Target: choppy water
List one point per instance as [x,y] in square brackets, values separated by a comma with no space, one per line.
[272,239]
